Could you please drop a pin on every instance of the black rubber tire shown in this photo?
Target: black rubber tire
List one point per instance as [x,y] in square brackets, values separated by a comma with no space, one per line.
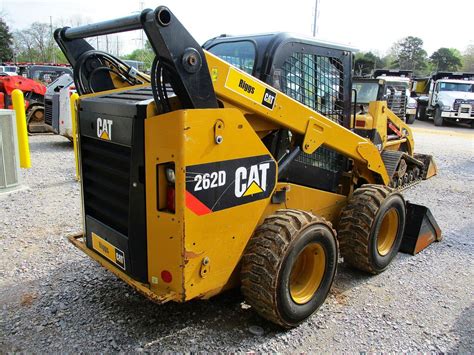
[410,119]
[359,225]
[268,260]
[421,113]
[438,119]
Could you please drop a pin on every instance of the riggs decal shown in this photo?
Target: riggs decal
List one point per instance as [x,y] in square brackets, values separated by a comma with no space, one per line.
[219,185]
[249,87]
[104,128]
[246,87]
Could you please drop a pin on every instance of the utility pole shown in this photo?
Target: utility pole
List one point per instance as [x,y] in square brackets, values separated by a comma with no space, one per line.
[315,18]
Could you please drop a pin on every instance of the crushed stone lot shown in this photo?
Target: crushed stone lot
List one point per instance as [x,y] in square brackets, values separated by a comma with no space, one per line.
[54,298]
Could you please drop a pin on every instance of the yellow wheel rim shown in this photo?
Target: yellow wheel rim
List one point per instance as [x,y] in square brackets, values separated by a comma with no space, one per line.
[387,232]
[307,273]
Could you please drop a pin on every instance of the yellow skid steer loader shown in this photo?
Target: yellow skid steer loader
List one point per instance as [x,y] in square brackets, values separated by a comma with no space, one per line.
[206,176]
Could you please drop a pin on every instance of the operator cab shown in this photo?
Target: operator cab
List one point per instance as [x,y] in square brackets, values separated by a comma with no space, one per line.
[313,72]
[366,90]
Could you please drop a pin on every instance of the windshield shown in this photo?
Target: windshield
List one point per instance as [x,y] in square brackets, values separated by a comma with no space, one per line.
[240,54]
[456,87]
[366,92]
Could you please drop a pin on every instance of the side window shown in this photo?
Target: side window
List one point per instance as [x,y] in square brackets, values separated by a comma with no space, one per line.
[240,54]
[317,82]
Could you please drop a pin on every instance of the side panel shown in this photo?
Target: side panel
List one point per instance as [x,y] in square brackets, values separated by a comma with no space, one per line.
[207,234]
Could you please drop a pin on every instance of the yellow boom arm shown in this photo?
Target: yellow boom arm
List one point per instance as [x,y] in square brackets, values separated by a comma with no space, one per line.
[252,95]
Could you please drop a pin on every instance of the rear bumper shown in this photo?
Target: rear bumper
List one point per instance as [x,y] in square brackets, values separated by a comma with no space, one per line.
[78,241]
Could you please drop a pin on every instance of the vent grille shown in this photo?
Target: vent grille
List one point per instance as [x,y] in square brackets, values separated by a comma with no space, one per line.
[397,99]
[106,179]
[48,112]
[317,82]
[458,102]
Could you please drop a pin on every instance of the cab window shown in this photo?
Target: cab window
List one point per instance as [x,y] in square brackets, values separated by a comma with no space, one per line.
[240,54]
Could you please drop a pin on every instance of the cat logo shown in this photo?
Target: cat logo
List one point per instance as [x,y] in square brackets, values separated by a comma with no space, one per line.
[251,181]
[104,128]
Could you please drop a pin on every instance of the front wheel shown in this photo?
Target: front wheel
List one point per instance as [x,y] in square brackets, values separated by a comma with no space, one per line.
[371,228]
[289,266]
[410,119]
[438,119]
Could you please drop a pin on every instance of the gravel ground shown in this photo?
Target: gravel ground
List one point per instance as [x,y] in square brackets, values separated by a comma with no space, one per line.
[54,298]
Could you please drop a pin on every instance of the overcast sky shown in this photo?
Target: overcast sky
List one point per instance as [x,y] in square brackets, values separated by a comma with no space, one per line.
[364,24]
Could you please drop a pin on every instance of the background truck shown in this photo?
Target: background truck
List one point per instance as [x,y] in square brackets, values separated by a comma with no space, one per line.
[8,70]
[398,85]
[446,97]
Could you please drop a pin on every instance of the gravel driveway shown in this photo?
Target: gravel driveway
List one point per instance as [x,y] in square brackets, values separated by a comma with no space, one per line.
[54,298]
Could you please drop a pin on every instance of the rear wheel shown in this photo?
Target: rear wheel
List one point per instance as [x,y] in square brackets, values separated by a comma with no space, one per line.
[421,113]
[438,119]
[371,228]
[288,266]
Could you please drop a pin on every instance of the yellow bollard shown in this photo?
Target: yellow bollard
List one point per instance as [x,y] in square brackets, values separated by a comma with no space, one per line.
[74,98]
[23,144]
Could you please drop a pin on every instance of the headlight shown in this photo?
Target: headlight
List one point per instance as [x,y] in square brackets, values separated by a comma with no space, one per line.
[446,108]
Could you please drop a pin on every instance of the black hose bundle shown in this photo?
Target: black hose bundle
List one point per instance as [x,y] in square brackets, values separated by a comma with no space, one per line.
[92,65]
[160,76]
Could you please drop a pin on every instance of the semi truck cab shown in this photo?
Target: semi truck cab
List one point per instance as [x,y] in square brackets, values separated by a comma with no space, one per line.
[450,98]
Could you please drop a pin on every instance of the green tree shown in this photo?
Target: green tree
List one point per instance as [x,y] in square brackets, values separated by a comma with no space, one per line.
[145,55]
[6,42]
[365,63]
[409,54]
[468,59]
[445,59]
[35,44]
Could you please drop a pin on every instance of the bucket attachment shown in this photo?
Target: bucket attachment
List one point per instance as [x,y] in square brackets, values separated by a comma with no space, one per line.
[421,229]
[430,169]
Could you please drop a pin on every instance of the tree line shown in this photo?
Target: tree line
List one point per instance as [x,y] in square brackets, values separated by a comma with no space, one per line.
[408,54]
[36,44]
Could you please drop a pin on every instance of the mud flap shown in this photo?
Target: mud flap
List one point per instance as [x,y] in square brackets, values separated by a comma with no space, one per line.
[430,169]
[421,229]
